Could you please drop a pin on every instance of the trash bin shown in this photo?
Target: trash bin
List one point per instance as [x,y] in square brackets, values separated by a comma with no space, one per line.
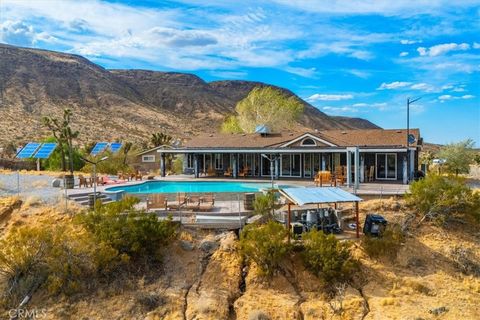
[248,201]
[374,225]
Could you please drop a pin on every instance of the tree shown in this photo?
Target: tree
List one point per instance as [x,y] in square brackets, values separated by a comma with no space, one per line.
[161,139]
[127,146]
[265,106]
[458,156]
[231,125]
[64,135]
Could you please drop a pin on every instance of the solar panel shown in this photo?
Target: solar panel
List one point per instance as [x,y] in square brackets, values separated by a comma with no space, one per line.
[115,146]
[99,147]
[28,150]
[45,150]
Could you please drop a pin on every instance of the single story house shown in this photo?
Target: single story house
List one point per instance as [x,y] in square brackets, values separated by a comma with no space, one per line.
[367,154]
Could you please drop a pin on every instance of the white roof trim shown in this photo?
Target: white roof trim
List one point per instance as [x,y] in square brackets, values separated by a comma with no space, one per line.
[308,135]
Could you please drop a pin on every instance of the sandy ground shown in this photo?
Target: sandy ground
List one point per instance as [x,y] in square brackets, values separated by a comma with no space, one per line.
[203,277]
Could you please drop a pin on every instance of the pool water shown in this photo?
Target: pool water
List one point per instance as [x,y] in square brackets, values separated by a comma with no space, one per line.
[192,187]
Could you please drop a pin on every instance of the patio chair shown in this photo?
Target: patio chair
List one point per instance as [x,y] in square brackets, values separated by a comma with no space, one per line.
[207,202]
[371,173]
[323,177]
[228,173]
[156,201]
[138,176]
[193,203]
[243,172]
[82,181]
[180,200]
[211,172]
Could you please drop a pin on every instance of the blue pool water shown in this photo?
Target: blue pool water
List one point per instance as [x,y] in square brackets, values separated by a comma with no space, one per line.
[192,187]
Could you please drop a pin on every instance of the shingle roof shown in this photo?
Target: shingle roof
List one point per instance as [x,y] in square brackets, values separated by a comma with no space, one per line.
[341,138]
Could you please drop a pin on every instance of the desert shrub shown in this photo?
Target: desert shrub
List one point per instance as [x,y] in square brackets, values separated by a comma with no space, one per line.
[59,257]
[132,232]
[264,204]
[265,245]
[327,257]
[442,197]
[388,244]
[465,260]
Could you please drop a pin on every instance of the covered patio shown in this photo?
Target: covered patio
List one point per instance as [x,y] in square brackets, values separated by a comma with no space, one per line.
[319,196]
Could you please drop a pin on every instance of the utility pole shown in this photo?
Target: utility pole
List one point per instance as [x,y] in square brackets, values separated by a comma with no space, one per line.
[409,102]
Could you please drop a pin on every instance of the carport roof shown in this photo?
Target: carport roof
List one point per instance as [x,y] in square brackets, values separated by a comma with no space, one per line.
[314,195]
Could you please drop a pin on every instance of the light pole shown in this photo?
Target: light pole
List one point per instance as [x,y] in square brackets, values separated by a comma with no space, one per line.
[409,102]
[94,163]
[272,160]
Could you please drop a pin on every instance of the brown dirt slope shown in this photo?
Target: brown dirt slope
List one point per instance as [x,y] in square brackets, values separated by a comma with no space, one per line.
[122,104]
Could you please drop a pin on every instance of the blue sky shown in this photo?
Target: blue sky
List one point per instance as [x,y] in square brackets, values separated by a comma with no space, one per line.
[351,58]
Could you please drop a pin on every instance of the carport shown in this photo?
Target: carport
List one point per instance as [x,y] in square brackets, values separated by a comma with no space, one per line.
[319,195]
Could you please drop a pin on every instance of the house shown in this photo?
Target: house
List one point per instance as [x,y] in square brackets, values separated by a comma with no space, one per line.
[366,154]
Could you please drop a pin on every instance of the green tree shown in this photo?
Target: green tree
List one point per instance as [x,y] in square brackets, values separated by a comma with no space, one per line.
[264,204]
[64,135]
[161,139]
[265,106]
[458,156]
[265,245]
[231,125]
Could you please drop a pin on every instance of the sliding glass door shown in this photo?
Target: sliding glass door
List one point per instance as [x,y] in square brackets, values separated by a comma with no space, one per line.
[386,164]
[290,165]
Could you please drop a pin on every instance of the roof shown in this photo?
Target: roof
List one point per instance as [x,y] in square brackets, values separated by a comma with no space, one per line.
[314,195]
[339,138]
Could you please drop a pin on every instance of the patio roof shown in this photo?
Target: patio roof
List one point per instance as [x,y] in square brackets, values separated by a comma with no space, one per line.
[316,195]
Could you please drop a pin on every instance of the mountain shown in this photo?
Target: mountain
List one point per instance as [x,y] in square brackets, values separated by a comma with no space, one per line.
[120,104]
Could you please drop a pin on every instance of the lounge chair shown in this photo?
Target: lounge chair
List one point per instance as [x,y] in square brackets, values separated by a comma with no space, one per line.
[193,203]
[138,176]
[156,201]
[243,172]
[107,181]
[180,200]
[211,172]
[207,202]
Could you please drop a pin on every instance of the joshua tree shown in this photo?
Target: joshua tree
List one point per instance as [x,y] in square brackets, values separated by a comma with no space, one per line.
[125,150]
[161,139]
[64,135]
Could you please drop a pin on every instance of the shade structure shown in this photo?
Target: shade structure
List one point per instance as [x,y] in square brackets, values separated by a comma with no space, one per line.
[316,195]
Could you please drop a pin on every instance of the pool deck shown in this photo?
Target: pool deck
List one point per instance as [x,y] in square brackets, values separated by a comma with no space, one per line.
[368,190]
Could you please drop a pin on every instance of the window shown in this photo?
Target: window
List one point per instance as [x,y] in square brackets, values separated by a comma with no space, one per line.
[218,161]
[308,142]
[190,161]
[290,165]
[148,158]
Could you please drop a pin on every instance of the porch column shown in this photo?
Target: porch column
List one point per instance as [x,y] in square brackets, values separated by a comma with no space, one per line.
[404,170]
[195,166]
[323,162]
[362,168]
[162,164]
[349,168]
[234,169]
[277,167]
[412,164]
[357,167]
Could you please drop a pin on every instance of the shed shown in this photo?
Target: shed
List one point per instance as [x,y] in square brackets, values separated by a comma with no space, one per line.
[319,195]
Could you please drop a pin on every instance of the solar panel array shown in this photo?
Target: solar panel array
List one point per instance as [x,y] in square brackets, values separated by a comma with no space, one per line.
[115,146]
[99,147]
[45,150]
[28,150]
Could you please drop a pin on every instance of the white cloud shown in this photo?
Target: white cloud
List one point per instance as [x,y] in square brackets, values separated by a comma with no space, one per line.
[468,96]
[403,54]
[405,41]
[393,85]
[445,97]
[339,109]
[423,87]
[359,73]
[228,74]
[458,89]
[440,49]
[329,97]
[304,72]
[476,45]
[17,33]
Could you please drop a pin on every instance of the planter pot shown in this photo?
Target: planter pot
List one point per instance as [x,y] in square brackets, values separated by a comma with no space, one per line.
[69,181]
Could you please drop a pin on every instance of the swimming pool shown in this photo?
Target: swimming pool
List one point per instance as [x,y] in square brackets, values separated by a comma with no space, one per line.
[192,187]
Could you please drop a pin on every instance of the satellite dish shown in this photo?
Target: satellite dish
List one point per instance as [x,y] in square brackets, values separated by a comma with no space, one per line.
[411,139]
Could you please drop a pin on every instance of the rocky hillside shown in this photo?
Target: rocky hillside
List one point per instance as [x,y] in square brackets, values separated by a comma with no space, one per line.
[124,104]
